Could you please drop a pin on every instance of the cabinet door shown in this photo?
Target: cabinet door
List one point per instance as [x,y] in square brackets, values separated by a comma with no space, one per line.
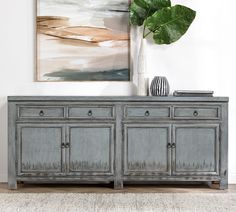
[40,149]
[196,149]
[91,149]
[145,149]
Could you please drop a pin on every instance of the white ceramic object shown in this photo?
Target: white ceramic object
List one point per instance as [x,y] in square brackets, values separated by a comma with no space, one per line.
[138,61]
[142,86]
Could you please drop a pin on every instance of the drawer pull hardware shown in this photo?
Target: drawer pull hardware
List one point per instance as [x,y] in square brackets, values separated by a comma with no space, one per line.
[147,113]
[169,145]
[173,145]
[90,113]
[67,145]
[41,113]
[62,145]
[195,113]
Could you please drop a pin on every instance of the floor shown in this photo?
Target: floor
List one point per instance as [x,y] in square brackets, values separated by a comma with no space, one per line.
[57,188]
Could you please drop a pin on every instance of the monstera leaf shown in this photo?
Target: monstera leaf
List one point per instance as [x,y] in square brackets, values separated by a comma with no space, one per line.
[170,24]
[141,9]
[167,23]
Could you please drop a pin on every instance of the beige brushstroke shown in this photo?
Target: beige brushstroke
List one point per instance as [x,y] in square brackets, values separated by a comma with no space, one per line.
[59,27]
[62,45]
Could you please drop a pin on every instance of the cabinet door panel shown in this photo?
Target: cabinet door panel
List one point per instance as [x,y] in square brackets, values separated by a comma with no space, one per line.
[196,149]
[145,149]
[91,149]
[39,149]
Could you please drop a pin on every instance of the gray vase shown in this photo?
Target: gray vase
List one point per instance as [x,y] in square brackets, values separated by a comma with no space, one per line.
[159,86]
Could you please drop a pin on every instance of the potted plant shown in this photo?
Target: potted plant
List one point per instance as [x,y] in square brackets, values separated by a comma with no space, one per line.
[166,24]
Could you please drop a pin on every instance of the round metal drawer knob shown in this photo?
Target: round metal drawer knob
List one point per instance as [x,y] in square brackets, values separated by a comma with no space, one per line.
[195,113]
[41,113]
[147,113]
[90,113]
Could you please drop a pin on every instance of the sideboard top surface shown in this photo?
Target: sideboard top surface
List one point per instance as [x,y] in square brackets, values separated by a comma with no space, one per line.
[118,98]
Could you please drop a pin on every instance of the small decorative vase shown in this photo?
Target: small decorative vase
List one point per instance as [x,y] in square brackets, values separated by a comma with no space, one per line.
[159,86]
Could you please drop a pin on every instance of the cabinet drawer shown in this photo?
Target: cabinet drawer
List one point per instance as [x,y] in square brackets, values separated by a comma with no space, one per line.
[41,112]
[147,112]
[197,112]
[91,112]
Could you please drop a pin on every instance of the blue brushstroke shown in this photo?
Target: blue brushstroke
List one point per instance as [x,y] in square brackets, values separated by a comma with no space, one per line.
[72,75]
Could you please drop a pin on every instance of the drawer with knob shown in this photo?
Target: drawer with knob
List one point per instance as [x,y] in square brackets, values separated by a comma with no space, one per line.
[41,112]
[147,112]
[211,112]
[91,112]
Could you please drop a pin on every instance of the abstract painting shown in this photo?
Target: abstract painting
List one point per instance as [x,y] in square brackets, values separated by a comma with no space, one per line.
[83,40]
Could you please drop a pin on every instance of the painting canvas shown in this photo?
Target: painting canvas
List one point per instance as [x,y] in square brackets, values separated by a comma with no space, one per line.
[83,40]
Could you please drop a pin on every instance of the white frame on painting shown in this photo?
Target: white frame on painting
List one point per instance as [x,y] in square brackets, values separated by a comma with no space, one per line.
[83,40]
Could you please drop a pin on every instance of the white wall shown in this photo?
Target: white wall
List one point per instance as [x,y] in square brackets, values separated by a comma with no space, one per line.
[202,59]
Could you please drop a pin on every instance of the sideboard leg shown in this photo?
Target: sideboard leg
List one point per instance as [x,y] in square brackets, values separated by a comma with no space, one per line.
[12,113]
[223,184]
[118,184]
[12,185]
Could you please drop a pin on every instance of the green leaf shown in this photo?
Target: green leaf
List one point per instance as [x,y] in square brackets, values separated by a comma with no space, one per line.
[170,24]
[142,3]
[141,9]
[158,4]
[137,14]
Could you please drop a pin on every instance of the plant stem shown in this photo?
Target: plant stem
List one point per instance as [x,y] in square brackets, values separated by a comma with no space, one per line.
[144,36]
[144,28]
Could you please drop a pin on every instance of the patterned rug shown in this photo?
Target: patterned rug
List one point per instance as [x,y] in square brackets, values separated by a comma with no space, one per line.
[158,202]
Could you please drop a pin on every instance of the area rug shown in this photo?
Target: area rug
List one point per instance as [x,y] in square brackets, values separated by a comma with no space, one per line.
[124,202]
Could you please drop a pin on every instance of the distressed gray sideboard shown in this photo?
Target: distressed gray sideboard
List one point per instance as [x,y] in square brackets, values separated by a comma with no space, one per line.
[117,139]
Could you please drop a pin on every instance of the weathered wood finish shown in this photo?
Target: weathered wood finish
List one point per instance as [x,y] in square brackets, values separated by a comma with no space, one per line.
[145,151]
[118,139]
[197,112]
[196,149]
[93,154]
[39,149]
[40,112]
[90,111]
[147,111]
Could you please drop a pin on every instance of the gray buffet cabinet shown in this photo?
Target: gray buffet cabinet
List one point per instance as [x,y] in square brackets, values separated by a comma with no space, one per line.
[117,139]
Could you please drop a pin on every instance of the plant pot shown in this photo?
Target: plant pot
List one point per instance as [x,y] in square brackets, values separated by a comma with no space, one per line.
[159,86]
